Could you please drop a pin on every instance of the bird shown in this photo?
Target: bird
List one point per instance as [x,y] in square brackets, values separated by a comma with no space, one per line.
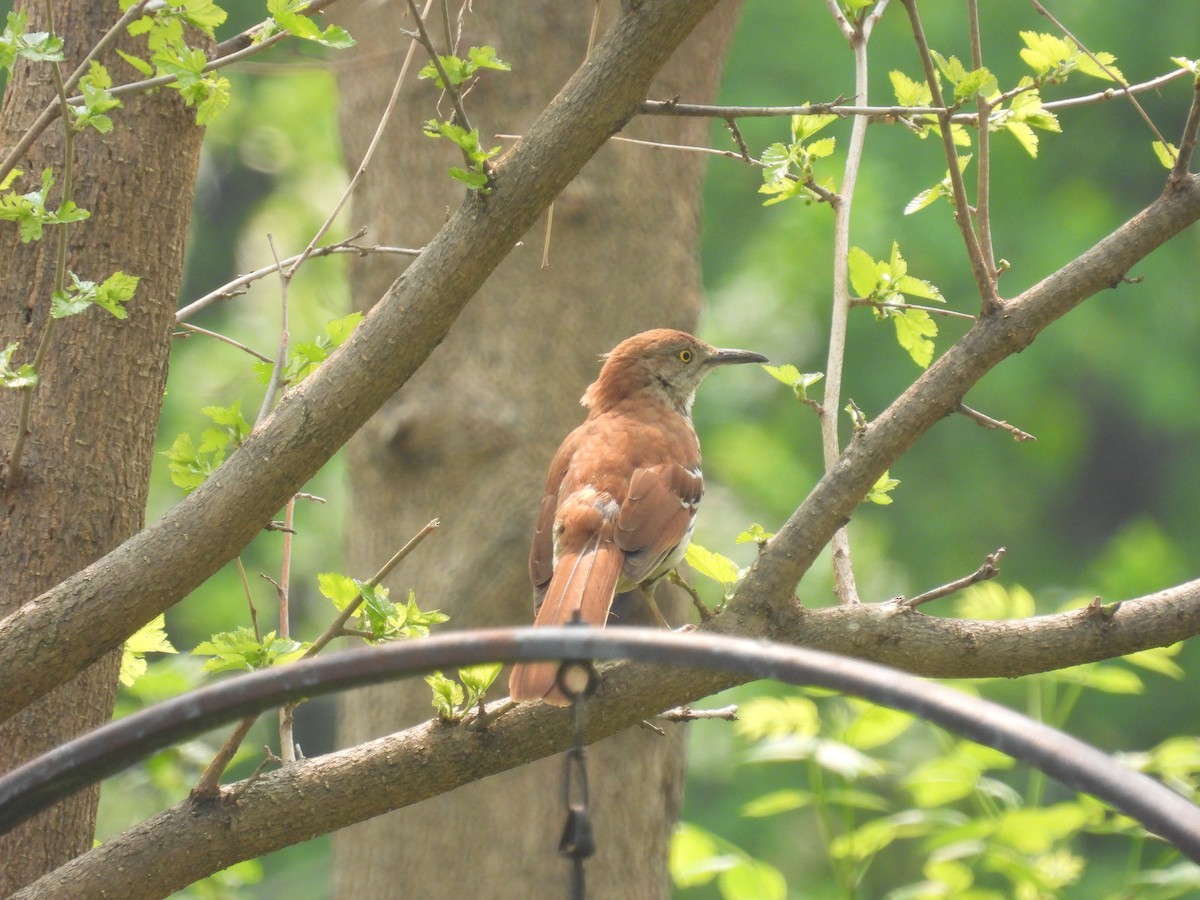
[622,491]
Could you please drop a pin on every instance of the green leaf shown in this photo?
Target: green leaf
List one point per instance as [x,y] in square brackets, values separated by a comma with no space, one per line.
[1166,154]
[341,589]
[712,565]
[339,330]
[143,67]
[798,381]
[939,190]
[755,533]
[865,273]
[24,376]
[240,650]
[447,694]
[150,638]
[752,879]
[65,303]
[775,717]
[1158,659]
[695,857]
[1107,679]
[992,600]
[880,492]
[287,15]
[777,802]
[909,92]
[115,291]
[874,726]
[477,679]
[202,14]
[914,330]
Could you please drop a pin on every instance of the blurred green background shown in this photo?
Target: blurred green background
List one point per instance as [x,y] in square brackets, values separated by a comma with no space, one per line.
[1105,502]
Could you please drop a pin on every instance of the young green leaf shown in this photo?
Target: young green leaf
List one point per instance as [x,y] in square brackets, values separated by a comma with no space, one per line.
[915,330]
[150,638]
[798,381]
[240,650]
[1166,154]
[23,376]
[447,695]
[755,533]
[880,493]
[477,679]
[712,565]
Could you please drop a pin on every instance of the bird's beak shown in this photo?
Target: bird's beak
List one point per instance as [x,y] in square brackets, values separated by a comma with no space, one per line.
[733,357]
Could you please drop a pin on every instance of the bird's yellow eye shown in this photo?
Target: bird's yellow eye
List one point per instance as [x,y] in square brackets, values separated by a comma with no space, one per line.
[685,356]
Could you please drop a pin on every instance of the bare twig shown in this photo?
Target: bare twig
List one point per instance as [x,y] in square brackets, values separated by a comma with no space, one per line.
[287,744]
[687,714]
[856,35]
[962,207]
[983,179]
[988,422]
[932,310]
[196,329]
[989,569]
[282,353]
[249,597]
[236,287]
[1187,145]
[310,250]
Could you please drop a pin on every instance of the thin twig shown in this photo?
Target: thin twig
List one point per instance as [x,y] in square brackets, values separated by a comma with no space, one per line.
[989,569]
[196,329]
[988,422]
[287,744]
[962,207]
[12,471]
[1105,69]
[337,627]
[983,177]
[932,310]
[310,250]
[888,114]
[1187,145]
[249,597]
[451,90]
[687,714]
[236,287]
[281,356]
[843,568]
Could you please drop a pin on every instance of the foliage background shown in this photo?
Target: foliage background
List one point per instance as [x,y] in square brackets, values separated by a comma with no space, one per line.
[1104,503]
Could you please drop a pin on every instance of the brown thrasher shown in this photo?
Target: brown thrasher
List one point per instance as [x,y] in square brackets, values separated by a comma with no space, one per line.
[622,491]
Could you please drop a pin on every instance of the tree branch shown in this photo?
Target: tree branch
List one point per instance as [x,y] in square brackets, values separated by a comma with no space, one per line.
[196,838]
[46,642]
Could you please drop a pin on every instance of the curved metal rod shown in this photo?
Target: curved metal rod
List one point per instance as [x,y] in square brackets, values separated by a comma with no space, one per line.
[105,751]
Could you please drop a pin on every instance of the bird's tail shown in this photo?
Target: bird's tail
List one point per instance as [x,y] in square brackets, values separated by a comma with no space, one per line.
[583,582]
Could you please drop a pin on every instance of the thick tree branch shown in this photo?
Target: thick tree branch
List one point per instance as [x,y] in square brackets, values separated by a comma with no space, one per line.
[50,639]
[197,838]
[936,394]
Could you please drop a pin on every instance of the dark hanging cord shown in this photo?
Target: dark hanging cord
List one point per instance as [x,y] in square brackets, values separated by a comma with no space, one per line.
[576,679]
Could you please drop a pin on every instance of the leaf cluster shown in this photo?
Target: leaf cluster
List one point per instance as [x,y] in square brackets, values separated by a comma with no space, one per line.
[190,463]
[788,167]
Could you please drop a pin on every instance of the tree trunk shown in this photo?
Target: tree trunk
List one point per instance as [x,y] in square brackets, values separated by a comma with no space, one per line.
[469,438]
[84,474]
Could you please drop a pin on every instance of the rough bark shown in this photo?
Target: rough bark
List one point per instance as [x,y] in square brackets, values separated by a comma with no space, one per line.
[81,488]
[469,437]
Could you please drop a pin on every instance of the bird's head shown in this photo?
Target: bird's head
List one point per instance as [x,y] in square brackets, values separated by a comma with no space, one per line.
[663,363]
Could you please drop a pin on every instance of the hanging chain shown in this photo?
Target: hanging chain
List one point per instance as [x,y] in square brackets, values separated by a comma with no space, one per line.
[577,680]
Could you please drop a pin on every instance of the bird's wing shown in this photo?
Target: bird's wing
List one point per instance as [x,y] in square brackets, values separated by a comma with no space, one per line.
[541,552]
[657,517]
